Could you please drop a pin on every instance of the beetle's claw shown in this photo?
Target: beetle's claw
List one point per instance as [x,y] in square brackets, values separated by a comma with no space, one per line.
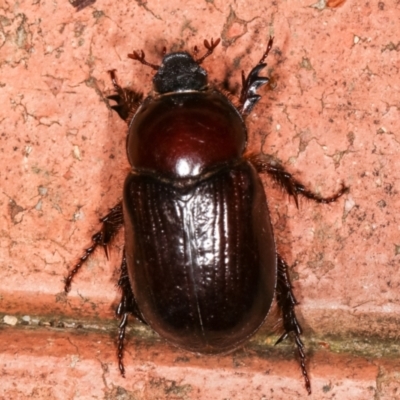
[121,368]
[282,338]
[106,251]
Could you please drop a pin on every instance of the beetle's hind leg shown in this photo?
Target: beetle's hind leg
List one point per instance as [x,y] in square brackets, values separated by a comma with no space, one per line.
[112,223]
[127,305]
[287,302]
[291,185]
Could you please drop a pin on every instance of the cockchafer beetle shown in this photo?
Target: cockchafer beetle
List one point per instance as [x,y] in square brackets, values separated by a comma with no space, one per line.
[200,264]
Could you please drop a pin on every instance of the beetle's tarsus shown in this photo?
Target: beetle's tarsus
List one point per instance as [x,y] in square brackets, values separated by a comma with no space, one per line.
[97,239]
[112,223]
[287,302]
[269,47]
[121,336]
[291,185]
[127,305]
[128,302]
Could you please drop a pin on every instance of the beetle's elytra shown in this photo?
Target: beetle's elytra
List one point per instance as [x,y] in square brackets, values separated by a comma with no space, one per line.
[200,265]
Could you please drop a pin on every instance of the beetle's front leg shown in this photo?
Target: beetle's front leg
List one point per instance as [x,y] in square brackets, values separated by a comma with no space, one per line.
[248,95]
[112,223]
[291,185]
[287,302]
[127,100]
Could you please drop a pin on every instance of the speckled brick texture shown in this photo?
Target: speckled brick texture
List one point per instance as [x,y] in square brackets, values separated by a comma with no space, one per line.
[333,117]
[70,366]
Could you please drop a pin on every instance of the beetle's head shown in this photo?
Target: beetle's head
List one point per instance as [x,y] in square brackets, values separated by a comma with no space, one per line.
[179,72]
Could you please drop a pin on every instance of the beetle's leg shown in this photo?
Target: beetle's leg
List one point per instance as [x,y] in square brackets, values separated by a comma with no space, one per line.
[127,305]
[248,96]
[128,302]
[112,223]
[127,100]
[287,302]
[291,185]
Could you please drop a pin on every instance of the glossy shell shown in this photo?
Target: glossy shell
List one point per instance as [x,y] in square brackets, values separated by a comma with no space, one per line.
[201,255]
[201,261]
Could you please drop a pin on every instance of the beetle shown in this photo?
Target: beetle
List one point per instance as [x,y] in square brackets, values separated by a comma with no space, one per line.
[200,264]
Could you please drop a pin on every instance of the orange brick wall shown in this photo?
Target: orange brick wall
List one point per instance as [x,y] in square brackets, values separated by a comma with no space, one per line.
[333,117]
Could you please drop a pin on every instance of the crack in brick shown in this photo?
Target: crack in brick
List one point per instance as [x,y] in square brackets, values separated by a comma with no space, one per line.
[234,28]
[143,4]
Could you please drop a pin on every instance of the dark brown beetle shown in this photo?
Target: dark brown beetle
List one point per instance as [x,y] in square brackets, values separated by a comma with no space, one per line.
[200,264]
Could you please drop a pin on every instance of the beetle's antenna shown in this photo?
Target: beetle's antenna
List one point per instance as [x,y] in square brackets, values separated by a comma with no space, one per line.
[210,48]
[142,59]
